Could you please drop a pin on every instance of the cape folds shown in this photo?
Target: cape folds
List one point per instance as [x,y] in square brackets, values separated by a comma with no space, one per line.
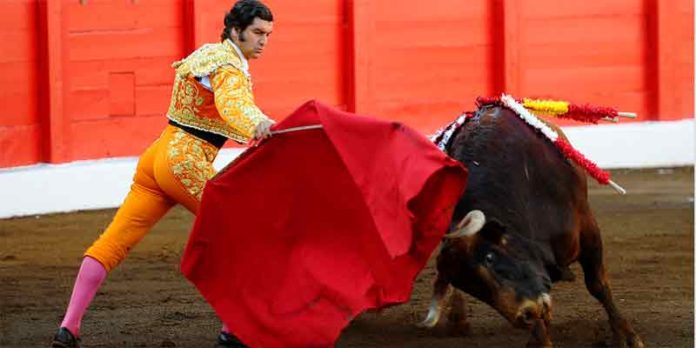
[310,228]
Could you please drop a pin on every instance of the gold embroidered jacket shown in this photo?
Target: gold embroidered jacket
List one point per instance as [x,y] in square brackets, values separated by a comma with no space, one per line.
[225,107]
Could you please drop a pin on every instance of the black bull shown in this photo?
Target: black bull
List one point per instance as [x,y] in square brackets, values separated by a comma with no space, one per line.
[523,219]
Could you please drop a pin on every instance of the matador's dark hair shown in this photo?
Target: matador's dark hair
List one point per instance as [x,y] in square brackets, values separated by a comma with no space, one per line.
[242,15]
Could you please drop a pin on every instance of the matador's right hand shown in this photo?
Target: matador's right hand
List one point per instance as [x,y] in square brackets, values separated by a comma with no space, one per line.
[263,129]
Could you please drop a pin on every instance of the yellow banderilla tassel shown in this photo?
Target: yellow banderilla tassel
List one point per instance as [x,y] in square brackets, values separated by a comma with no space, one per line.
[548,107]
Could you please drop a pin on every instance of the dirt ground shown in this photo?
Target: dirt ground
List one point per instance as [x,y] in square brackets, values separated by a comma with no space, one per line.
[648,236]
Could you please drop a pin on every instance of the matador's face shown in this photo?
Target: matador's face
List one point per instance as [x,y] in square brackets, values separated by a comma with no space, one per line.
[252,40]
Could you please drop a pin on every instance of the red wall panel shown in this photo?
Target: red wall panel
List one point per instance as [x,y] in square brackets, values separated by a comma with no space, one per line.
[86,81]
[134,134]
[20,140]
[585,53]
[305,58]
[119,56]
[673,45]
[429,60]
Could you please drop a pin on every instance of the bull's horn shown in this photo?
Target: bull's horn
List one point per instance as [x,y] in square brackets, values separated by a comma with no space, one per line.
[470,225]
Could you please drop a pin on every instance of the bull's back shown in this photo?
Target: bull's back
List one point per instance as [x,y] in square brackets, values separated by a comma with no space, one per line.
[517,176]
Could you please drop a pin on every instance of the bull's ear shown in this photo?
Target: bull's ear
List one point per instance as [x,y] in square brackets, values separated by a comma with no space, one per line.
[493,231]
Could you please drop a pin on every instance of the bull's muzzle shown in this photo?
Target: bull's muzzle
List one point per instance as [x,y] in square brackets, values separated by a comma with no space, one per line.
[531,312]
[536,317]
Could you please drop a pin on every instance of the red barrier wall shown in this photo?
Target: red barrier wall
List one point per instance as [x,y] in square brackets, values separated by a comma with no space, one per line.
[86,79]
[20,125]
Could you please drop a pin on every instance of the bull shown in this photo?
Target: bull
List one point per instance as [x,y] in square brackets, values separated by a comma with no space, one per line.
[522,221]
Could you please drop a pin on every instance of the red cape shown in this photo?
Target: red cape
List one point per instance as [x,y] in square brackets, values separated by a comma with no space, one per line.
[304,232]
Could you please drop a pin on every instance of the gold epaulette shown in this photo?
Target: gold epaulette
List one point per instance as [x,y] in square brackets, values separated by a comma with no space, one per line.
[208,58]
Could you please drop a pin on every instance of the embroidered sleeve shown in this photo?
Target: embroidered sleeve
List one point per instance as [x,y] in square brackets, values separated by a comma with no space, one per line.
[235,101]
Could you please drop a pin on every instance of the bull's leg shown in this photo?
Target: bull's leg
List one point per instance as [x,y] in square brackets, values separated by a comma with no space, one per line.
[457,323]
[440,288]
[592,261]
[540,335]
[539,327]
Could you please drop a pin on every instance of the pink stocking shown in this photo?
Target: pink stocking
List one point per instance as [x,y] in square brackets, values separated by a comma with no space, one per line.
[88,281]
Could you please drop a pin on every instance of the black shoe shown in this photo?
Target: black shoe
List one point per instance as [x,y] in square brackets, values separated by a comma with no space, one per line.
[65,339]
[226,339]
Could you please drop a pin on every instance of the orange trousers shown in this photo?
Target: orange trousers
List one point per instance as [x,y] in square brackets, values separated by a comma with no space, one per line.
[173,170]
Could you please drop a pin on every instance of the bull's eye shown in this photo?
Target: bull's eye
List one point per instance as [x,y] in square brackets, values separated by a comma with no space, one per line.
[489,258]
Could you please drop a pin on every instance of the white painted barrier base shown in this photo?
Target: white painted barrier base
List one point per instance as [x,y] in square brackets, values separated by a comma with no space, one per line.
[636,145]
[84,185]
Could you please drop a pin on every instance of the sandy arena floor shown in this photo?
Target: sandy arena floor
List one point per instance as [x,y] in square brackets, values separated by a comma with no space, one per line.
[146,302]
